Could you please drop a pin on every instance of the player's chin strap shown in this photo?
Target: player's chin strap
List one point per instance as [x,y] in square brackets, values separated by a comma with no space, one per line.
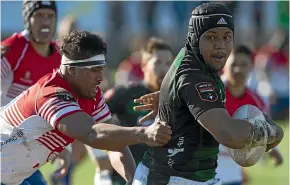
[262,133]
[95,61]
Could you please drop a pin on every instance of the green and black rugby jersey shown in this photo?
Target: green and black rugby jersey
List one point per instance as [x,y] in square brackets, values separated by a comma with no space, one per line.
[121,102]
[189,89]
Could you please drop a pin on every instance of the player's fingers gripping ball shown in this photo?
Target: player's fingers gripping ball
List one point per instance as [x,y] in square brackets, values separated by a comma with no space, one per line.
[251,154]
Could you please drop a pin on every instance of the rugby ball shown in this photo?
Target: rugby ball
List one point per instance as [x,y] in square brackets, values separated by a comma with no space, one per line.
[248,156]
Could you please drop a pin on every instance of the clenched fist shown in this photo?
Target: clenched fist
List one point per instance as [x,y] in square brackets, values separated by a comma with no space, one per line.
[157,134]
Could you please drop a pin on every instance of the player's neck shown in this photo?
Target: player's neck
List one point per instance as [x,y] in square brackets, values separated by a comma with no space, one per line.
[236,90]
[42,49]
[67,78]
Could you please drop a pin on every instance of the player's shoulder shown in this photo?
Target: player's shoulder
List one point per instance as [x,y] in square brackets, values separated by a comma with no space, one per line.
[52,86]
[15,39]
[63,94]
[55,93]
[16,42]
[190,74]
[187,65]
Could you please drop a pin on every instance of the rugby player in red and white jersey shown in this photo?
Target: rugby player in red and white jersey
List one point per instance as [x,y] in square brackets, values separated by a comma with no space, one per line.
[236,71]
[29,55]
[65,105]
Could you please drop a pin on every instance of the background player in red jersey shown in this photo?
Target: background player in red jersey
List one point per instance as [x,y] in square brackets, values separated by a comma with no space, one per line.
[29,55]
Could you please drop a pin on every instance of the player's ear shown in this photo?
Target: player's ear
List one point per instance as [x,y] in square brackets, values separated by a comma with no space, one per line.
[72,70]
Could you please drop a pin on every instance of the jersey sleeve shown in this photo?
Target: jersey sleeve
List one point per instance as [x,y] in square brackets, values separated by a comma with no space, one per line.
[198,92]
[101,112]
[56,103]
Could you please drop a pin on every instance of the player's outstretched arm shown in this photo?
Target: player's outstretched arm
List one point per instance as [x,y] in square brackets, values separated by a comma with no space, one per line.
[205,102]
[228,132]
[124,163]
[82,127]
[232,133]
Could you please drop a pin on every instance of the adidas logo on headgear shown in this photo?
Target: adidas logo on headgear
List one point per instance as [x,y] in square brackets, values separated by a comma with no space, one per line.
[222,21]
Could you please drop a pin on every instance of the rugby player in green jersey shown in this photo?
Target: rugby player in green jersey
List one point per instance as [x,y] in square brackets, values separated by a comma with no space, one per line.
[191,102]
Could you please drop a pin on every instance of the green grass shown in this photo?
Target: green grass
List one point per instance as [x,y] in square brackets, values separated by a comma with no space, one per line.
[263,173]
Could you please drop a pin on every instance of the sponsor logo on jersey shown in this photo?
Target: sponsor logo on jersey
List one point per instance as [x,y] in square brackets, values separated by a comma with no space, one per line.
[13,138]
[27,78]
[206,91]
[172,152]
[64,95]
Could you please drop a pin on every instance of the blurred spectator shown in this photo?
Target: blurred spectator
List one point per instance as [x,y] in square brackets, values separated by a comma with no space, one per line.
[182,11]
[114,37]
[149,11]
[129,70]
[272,74]
[67,25]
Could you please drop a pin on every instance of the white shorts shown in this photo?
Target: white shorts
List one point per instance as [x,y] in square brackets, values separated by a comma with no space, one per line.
[140,178]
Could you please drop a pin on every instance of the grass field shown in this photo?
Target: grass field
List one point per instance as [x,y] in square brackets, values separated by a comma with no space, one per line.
[263,173]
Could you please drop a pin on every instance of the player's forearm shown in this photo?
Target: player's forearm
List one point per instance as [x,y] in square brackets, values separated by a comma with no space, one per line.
[124,163]
[241,133]
[114,137]
[236,134]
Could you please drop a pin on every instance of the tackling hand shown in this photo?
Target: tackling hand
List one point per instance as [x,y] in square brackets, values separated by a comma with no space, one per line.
[150,102]
[157,134]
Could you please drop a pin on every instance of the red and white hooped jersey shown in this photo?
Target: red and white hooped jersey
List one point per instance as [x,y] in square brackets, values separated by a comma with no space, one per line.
[29,137]
[22,66]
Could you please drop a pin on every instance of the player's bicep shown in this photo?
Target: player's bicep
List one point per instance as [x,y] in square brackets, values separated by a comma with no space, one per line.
[215,121]
[77,125]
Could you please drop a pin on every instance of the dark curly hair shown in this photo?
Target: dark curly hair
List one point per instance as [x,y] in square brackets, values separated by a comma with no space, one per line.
[79,45]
